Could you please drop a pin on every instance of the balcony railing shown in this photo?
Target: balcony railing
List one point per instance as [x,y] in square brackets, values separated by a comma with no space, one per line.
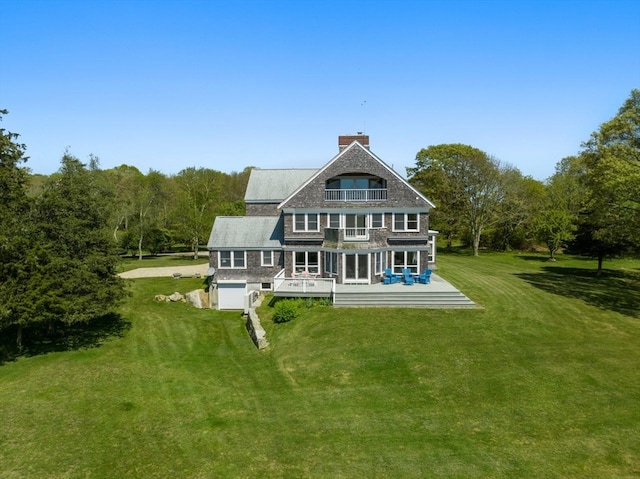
[356,234]
[356,195]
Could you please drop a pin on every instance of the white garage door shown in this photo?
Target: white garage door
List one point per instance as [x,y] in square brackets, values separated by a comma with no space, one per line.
[231,294]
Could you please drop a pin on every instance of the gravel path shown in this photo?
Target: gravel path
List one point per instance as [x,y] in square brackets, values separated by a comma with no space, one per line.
[166,271]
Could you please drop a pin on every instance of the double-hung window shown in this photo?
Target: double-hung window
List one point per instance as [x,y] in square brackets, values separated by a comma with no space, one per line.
[235,259]
[377,220]
[306,222]
[405,222]
[266,258]
[334,220]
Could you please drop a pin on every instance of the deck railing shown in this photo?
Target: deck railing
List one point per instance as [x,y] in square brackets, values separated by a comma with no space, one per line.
[303,285]
[377,194]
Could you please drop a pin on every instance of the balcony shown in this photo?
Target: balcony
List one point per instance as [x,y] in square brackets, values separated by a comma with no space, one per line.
[356,234]
[356,195]
[338,235]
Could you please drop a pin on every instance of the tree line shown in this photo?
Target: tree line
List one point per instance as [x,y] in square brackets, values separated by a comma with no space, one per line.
[62,236]
[157,213]
[591,205]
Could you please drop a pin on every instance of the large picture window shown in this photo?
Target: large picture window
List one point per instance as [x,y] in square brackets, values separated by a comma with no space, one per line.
[306,222]
[405,259]
[306,261]
[232,259]
[405,222]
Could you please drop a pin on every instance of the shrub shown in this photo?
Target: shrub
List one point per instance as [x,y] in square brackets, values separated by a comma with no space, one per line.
[285,311]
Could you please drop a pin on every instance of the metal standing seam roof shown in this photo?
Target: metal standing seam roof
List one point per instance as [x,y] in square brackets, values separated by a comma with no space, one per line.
[275,185]
[246,232]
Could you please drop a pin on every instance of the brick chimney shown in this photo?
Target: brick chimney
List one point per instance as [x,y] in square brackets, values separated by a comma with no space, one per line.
[346,140]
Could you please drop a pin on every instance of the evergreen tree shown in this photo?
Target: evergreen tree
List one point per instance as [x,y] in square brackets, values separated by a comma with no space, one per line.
[15,231]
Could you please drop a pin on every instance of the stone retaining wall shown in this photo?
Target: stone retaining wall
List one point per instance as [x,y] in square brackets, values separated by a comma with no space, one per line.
[254,327]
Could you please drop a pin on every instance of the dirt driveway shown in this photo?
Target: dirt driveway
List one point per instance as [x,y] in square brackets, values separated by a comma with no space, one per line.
[167,271]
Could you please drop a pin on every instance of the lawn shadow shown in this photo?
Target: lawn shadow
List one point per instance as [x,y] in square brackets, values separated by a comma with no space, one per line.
[617,291]
[65,338]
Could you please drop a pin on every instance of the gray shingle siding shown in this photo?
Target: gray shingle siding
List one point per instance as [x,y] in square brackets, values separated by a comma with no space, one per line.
[262,209]
[356,160]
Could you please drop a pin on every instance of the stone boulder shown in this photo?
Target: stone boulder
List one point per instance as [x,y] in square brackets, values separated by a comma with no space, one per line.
[161,298]
[176,297]
[198,298]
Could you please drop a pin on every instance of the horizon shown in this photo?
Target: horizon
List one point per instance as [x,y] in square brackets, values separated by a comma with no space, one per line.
[168,85]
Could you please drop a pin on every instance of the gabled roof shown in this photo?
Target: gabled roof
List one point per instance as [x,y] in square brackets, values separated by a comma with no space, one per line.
[338,157]
[246,232]
[275,185]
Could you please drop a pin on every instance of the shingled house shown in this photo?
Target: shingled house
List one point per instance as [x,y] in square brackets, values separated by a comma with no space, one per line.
[307,230]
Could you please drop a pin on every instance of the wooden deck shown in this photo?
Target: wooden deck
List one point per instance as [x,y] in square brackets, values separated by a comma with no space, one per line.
[437,294]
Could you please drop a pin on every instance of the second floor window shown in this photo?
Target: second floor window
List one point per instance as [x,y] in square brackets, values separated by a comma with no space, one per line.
[405,222]
[334,220]
[231,260]
[266,258]
[305,222]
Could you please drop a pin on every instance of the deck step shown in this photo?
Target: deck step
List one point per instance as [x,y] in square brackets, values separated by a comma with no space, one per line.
[440,299]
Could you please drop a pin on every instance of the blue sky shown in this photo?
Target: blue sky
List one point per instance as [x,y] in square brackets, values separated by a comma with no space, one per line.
[228,84]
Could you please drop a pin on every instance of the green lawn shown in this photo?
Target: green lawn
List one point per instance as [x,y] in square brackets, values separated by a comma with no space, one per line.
[542,381]
[182,259]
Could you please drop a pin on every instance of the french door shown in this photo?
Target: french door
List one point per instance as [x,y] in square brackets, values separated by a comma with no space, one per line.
[356,268]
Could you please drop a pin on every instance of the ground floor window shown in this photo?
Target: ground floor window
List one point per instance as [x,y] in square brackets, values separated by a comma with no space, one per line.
[265,287]
[331,262]
[306,261]
[381,261]
[405,259]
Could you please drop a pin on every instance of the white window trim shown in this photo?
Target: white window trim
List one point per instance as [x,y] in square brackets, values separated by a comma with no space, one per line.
[380,261]
[262,261]
[328,256]
[329,220]
[397,268]
[306,222]
[405,222]
[232,258]
[371,220]
[305,266]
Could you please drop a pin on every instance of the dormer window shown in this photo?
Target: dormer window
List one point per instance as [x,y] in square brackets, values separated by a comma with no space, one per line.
[356,187]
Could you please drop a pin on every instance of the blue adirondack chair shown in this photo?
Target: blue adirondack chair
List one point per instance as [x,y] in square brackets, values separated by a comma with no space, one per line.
[390,277]
[425,278]
[408,278]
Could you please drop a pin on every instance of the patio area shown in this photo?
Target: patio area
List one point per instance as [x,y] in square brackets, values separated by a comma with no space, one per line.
[439,293]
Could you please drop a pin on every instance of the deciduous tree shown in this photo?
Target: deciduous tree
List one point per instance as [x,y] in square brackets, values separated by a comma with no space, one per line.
[611,218]
[464,182]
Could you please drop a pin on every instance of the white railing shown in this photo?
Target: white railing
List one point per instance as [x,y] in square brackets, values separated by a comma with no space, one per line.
[351,234]
[378,194]
[302,284]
